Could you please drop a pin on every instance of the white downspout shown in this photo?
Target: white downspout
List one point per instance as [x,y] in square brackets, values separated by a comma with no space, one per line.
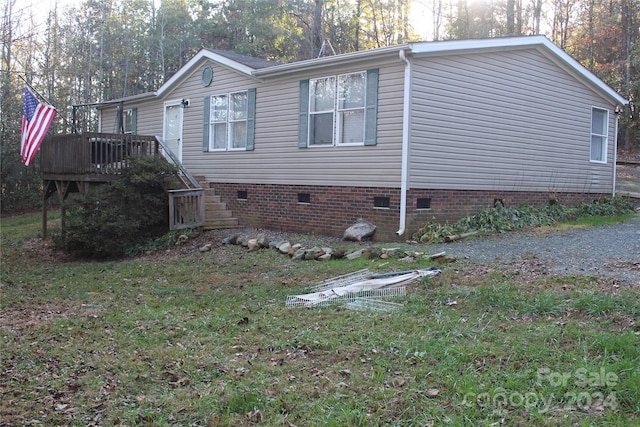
[615,155]
[406,110]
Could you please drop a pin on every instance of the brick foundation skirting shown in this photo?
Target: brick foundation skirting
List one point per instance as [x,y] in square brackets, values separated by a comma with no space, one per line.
[330,210]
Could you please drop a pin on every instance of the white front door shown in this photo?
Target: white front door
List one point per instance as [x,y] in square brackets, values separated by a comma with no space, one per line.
[172,134]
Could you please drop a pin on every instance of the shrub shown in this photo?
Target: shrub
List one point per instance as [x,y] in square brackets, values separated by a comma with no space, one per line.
[116,216]
[501,219]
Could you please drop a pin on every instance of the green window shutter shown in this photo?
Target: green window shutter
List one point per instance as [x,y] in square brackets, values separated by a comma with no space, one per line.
[134,121]
[303,114]
[119,125]
[205,124]
[251,119]
[371,109]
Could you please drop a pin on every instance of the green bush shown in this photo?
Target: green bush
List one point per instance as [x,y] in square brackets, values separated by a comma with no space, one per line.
[501,219]
[117,216]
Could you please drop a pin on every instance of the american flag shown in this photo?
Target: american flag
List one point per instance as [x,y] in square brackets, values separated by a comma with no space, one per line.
[36,119]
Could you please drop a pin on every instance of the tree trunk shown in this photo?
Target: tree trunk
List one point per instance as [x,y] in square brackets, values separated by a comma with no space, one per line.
[511,28]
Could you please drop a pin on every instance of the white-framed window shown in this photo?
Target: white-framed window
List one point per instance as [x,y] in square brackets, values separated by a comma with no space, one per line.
[336,109]
[322,100]
[599,134]
[238,120]
[128,123]
[228,121]
[351,104]
[126,120]
[339,110]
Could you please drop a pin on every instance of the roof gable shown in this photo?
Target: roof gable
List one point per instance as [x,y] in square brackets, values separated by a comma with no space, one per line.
[243,64]
[541,43]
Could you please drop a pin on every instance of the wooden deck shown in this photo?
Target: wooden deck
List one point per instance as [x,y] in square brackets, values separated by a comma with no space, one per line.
[93,157]
[76,162]
[628,179]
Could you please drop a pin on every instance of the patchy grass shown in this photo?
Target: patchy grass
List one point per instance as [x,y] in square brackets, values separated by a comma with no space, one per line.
[205,339]
[589,221]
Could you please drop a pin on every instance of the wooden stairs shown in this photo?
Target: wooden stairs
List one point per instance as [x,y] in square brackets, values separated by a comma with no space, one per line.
[216,214]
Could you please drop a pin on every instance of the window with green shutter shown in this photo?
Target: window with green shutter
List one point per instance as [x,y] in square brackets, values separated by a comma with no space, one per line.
[130,121]
[229,121]
[126,120]
[339,110]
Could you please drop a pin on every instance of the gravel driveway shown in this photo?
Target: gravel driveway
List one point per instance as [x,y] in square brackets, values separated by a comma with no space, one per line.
[611,251]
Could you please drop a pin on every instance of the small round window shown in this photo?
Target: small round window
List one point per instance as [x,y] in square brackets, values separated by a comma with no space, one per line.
[207,76]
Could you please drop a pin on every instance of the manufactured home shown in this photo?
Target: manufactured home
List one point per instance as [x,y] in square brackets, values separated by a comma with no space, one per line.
[397,136]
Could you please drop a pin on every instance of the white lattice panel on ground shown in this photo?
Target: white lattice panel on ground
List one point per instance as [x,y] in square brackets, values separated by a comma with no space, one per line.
[344,280]
[360,284]
[330,297]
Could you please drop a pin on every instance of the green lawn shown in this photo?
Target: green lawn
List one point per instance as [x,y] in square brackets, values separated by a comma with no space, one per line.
[205,339]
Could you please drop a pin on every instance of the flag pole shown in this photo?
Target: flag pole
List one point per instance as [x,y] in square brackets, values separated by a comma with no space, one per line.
[34,91]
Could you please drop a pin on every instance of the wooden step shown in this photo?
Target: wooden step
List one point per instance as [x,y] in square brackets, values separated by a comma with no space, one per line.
[211,198]
[215,206]
[217,215]
[221,223]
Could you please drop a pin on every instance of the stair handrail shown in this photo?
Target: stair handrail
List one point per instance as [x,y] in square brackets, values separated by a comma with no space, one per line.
[178,163]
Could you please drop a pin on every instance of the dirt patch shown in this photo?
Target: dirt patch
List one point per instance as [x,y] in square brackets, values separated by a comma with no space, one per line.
[45,250]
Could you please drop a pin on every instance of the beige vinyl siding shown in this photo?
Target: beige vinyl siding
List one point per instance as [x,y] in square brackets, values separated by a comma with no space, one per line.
[149,117]
[276,158]
[503,121]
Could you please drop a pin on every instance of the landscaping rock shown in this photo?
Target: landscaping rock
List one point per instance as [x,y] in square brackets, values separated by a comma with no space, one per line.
[360,230]
[261,241]
[293,249]
[284,247]
[313,253]
[252,244]
[338,254]
[298,254]
[371,253]
[231,240]
[355,254]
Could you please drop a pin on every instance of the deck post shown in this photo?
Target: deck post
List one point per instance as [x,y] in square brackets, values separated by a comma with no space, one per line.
[62,187]
[44,214]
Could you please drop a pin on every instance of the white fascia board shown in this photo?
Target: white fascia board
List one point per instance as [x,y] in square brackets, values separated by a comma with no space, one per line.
[582,71]
[203,54]
[314,63]
[551,50]
[474,44]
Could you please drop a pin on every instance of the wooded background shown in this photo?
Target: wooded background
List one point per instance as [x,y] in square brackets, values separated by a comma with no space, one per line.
[106,49]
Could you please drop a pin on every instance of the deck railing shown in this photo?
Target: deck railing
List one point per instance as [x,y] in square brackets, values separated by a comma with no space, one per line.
[100,157]
[94,153]
[186,208]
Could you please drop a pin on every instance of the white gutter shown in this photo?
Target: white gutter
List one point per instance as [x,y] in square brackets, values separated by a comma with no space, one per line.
[406,110]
